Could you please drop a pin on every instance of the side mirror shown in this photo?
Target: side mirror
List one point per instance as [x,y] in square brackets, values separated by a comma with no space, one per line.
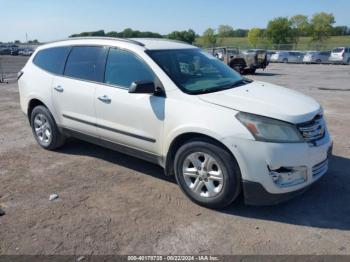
[142,87]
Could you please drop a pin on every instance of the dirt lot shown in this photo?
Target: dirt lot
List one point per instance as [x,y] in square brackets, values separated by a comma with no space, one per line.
[110,203]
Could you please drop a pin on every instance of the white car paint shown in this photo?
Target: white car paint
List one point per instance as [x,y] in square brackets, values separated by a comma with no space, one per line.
[166,118]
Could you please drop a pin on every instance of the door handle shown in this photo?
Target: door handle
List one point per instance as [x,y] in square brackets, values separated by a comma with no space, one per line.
[105,99]
[59,89]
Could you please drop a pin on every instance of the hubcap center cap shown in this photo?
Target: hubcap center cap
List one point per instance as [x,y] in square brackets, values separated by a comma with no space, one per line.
[203,174]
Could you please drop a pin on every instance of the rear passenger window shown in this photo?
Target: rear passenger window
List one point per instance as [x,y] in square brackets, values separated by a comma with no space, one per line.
[86,62]
[123,68]
[52,59]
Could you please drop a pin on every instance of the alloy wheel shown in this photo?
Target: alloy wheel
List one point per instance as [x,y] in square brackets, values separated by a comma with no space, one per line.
[202,174]
[42,129]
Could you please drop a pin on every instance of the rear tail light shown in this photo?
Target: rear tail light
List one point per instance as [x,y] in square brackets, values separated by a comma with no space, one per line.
[19,74]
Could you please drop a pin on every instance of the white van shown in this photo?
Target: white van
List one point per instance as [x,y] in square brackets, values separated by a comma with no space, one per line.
[340,55]
[177,106]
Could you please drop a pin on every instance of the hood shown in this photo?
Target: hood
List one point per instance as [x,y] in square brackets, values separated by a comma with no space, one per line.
[267,100]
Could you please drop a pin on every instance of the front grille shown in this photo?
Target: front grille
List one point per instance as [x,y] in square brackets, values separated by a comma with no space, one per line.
[320,168]
[313,130]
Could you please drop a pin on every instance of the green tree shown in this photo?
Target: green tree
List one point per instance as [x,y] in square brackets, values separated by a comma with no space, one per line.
[128,33]
[186,36]
[209,37]
[300,26]
[254,36]
[279,31]
[112,34]
[240,33]
[93,33]
[225,31]
[340,30]
[321,26]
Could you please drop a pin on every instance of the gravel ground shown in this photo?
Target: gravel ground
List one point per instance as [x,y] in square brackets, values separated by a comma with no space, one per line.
[110,203]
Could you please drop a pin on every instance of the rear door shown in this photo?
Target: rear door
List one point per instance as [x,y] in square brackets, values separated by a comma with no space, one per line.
[73,92]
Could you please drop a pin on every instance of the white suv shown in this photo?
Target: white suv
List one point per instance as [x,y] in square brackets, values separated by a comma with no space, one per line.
[340,55]
[175,105]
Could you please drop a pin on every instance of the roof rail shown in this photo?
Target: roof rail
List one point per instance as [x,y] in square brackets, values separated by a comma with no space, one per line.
[132,41]
[161,39]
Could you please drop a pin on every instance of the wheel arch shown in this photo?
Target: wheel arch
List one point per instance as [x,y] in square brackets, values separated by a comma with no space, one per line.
[237,61]
[34,102]
[183,138]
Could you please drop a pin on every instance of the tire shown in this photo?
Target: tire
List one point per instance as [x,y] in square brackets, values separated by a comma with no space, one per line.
[45,129]
[285,60]
[237,68]
[318,61]
[252,71]
[215,184]
[348,61]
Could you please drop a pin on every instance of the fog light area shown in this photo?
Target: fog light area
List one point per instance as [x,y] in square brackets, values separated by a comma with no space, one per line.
[288,176]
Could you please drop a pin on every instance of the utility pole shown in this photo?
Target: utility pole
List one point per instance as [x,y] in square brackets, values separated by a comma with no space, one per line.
[26,37]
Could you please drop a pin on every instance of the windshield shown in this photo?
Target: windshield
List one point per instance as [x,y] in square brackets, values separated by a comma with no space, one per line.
[196,72]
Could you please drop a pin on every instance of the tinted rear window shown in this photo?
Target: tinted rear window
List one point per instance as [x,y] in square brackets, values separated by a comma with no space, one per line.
[86,62]
[52,59]
[338,50]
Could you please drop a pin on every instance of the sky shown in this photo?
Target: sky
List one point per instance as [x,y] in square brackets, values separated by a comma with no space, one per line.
[52,20]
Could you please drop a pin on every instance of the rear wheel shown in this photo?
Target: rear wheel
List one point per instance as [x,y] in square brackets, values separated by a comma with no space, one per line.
[285,60]
[237,68]
[348,61]
[207,174]
[318,61]
[251,71]
[45,129]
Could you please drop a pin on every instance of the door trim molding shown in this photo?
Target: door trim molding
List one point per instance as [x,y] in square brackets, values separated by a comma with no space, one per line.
[147,156]
[148,139]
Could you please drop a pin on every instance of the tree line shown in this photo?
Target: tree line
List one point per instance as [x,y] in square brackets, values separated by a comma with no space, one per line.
[188,36]
[280,30]
[284,30]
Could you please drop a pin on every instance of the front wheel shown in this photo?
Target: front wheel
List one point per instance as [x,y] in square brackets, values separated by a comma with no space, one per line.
[207,174]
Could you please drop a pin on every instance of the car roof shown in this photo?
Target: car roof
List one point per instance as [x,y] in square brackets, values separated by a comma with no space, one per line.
[146,43]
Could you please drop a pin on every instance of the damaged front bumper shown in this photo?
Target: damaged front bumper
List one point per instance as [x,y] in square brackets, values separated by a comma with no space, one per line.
[275,172]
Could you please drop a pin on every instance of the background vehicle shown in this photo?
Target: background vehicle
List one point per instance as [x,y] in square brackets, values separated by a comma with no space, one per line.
[340,55]
[26,52]
[8,49]
[5,50]
[269,54]
[317,57]
[242,62]
[287,57]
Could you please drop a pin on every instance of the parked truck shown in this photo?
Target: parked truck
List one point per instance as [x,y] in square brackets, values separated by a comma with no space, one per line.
[242,62]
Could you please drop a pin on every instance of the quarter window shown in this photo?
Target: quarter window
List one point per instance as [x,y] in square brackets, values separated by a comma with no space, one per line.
[123,68]
[52,59]
[86,62]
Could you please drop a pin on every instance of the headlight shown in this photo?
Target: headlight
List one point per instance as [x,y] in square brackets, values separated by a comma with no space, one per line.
[270,130]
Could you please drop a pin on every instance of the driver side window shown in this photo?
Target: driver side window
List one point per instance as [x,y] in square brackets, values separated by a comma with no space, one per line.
[123,68]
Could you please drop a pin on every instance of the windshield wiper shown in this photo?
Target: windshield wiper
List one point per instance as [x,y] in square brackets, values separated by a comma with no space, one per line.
[241,82]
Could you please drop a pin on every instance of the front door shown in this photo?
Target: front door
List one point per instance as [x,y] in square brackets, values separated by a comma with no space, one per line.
[132,120]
